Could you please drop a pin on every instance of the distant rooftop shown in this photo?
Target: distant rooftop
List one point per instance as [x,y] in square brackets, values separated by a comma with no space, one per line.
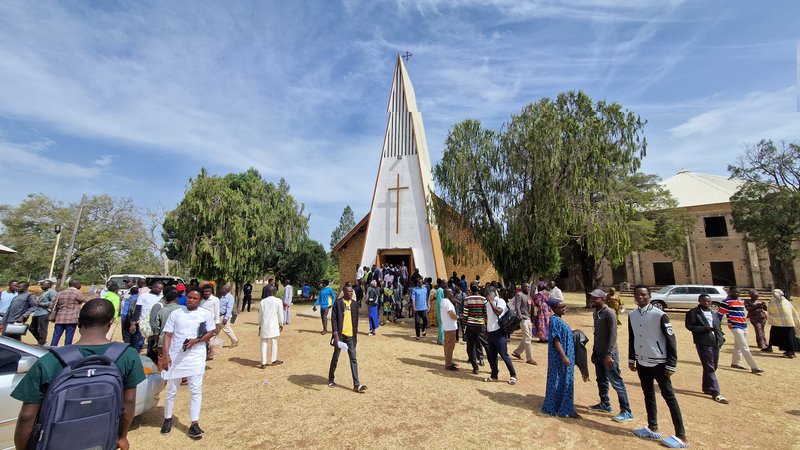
[693,189]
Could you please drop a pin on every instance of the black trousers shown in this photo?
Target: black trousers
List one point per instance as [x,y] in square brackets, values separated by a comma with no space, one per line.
[420,321]
[247,300]
[709,359]
[659,374]
[473,335]
[39,328]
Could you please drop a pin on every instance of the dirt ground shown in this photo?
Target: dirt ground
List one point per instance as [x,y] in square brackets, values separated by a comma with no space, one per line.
[412,402]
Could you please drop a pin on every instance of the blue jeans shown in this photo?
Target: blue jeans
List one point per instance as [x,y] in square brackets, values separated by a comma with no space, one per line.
[62,328]
[498,344]
[134,339]
[612,375]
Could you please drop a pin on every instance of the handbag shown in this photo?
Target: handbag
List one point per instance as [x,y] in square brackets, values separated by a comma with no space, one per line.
[15,329]
[52,316]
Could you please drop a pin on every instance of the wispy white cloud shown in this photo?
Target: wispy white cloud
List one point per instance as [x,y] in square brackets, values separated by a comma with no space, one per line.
[709,141]
[37,158]
[298,90]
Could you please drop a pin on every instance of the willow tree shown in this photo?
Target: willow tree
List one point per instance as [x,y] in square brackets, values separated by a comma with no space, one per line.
[767,206]
[528,189]
[232,228]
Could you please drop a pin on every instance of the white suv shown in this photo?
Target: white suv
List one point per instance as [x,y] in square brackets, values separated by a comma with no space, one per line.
[685,296]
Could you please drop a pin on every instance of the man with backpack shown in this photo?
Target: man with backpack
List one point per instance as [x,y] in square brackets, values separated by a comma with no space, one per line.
[114,370]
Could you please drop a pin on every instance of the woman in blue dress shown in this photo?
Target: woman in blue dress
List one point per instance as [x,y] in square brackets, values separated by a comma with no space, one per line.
[559,397]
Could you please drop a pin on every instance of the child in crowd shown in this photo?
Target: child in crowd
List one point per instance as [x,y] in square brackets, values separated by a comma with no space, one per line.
[388,303]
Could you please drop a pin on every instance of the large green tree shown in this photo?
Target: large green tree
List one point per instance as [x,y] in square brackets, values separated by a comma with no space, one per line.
[304,265]
[234,228]
[649,220]
[528,189]
[767,206]
[346,223]
[111,238]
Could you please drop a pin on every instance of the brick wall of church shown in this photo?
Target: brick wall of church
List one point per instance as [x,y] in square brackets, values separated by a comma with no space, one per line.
[477,265]
[350,256]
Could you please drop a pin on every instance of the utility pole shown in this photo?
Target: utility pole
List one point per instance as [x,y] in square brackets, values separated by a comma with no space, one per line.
[72,243]
[57,230]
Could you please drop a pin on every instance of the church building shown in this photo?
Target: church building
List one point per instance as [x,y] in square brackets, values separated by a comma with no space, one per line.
[398,227]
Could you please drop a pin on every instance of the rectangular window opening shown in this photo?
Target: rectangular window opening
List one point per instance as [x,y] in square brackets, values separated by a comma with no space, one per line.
[716,226]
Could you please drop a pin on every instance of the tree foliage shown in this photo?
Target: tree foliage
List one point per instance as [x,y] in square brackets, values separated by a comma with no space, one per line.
[305,265]
[767,206]
[543,179]
[111,239]
[234,228]
[346,223]
[650,219]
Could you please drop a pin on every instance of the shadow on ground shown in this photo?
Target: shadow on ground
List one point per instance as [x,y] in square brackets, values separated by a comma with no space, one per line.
[309,381]
[245,362]
[155,418]
[533,403]
[439,370]
[408,337]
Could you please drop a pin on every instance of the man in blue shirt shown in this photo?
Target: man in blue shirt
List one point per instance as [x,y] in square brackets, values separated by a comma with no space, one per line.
[419,300]
[324,301]
[7,296]
[227,305]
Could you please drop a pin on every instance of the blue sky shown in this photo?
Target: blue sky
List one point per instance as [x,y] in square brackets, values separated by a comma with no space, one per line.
[132,98]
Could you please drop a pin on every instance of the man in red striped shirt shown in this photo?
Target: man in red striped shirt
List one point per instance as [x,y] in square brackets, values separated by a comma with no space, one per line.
[475,321]
[733,307]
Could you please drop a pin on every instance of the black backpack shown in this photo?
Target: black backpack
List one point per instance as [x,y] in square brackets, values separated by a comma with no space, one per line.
[509,322]
[84,405]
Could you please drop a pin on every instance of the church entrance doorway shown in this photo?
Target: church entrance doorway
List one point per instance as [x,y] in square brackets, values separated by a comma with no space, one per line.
[395,256]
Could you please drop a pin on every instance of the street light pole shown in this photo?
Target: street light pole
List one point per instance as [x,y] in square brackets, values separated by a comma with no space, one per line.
[72,242]
[55,251]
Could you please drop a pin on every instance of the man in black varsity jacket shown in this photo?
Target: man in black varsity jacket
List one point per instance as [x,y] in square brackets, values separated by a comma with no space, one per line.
[653,355]
[707,335]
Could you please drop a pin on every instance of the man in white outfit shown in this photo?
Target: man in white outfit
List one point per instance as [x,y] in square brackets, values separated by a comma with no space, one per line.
[287,301]
[555,292]
[185,334]
[270,323]
[210,303]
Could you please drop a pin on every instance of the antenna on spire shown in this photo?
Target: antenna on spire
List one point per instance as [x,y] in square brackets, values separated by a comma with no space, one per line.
[406,56]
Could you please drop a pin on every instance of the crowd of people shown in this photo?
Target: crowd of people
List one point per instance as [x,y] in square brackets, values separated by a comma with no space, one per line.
[178,327]
[474,312]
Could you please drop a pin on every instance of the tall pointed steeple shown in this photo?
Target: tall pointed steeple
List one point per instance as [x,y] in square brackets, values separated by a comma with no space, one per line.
[399,227]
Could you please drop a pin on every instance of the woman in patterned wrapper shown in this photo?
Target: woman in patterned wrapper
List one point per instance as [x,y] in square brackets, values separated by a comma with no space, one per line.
[559,399]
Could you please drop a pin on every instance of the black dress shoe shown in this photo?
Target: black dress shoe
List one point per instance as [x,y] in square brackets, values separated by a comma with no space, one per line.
[195,432]
[167,427]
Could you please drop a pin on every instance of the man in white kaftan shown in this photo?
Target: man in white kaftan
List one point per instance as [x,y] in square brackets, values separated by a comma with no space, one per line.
[270,322]
[185,334]
[287,302]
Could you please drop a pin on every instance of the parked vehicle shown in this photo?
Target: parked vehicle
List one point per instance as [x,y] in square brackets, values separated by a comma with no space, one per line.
[684,296]
[16,358]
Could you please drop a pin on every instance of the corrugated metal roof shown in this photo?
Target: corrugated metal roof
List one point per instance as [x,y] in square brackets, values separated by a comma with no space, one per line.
[694,189]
